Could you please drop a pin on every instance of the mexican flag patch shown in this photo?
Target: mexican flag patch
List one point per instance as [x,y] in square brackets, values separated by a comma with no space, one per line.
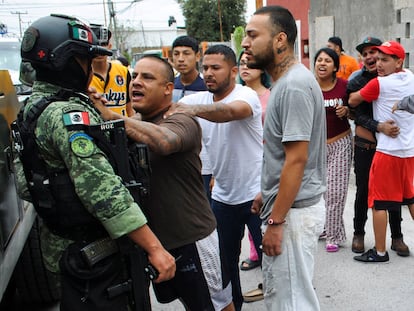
[82,34]
[75,118]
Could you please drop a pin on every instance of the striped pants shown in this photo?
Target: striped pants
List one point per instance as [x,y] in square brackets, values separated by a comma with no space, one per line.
[339,161]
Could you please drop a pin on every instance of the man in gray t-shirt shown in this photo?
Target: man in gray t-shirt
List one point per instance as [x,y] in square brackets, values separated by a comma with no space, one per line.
[295,114]
[293,171]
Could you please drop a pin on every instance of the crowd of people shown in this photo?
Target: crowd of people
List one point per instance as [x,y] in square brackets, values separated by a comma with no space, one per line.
[254,140]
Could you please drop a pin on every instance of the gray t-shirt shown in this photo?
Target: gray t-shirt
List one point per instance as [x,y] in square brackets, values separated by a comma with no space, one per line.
[295,112]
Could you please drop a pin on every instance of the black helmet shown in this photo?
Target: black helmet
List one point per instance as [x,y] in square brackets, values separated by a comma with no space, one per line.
[51,41]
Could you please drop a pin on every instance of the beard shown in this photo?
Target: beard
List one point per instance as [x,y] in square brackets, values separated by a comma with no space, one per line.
[263,60]
[221,87]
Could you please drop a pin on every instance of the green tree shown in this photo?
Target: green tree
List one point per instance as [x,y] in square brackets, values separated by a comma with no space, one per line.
[238,36]
[203,22]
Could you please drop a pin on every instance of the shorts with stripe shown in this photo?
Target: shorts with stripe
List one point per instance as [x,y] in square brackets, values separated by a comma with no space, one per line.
[391,182]
[201,280]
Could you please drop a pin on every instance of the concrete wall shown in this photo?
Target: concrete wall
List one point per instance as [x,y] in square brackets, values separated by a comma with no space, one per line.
[352,20]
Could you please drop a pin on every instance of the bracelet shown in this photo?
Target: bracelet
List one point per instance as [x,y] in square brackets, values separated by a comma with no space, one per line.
[271,222]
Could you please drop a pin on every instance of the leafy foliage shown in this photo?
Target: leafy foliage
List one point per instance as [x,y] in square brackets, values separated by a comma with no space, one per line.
[202,18]
[238,36]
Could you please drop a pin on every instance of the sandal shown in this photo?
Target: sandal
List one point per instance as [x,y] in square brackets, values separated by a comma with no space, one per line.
[254,295]
[249,264]
[331,248]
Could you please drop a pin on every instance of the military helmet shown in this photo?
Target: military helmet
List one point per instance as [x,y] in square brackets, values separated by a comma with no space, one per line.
[51,41]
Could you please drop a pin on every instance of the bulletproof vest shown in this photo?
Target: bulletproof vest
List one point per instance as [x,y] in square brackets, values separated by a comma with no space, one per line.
[52,191]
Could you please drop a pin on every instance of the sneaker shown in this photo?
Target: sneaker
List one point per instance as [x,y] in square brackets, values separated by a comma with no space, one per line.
[358,243]
[400,247]
[331,248]
[372,256]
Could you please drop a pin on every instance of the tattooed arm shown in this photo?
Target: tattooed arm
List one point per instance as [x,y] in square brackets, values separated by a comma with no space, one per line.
[216,112]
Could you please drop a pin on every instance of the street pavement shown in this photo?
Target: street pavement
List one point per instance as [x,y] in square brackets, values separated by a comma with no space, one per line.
[341,283]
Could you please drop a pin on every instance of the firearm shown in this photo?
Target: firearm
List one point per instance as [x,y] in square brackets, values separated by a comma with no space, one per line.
[138,283]
[130,160]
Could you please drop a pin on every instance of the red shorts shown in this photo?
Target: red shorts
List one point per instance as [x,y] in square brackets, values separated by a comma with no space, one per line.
[391,180]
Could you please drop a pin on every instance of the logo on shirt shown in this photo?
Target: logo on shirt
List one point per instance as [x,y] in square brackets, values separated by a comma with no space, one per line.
[115,97]
[119,80]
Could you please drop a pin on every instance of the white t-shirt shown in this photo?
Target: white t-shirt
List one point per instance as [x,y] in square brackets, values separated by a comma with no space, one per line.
[235,148]
[391,89]
[178,93]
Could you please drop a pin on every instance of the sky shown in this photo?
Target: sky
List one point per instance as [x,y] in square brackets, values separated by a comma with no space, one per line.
[148,14]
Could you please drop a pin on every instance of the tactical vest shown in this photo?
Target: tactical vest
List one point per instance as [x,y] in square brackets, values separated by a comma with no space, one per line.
[52,191]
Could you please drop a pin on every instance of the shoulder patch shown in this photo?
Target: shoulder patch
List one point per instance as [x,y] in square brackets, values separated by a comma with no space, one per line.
[81,144]
[76,118]
[71,107]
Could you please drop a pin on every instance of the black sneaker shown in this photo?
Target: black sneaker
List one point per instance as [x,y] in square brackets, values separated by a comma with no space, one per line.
[372,256]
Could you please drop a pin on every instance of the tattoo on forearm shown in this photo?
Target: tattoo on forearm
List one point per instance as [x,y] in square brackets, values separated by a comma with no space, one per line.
[159,141]
[202,110]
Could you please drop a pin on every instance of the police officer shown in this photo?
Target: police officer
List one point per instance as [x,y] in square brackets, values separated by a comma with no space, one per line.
[84,205]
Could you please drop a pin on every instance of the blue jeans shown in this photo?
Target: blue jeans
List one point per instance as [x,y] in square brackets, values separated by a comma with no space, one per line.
[206,182]
[231,221]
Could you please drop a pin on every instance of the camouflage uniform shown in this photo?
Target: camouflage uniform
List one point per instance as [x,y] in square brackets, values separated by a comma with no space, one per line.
[100,190]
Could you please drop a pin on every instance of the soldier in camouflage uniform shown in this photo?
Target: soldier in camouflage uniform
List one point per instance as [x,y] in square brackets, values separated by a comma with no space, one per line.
[177,209]
[61,49]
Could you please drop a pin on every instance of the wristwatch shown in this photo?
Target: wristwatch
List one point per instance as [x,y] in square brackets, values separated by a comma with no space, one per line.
[271,222]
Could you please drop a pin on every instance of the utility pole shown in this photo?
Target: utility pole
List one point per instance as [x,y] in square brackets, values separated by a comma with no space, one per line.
[112,21]
[20,20]
[104,8]
[221,24]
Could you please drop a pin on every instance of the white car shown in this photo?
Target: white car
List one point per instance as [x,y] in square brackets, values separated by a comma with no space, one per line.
[22,269]
[10,59]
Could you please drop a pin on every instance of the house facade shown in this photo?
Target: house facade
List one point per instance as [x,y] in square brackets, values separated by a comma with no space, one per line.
[352,21]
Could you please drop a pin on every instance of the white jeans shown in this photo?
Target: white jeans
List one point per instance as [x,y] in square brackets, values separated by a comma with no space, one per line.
[287,278]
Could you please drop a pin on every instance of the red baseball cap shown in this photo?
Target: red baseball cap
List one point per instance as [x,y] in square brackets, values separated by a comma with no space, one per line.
[391,48]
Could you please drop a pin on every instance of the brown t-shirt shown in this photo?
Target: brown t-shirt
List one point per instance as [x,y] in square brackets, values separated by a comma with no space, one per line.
[178,210]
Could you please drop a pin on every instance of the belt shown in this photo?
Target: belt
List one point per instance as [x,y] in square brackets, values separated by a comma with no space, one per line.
[367,146]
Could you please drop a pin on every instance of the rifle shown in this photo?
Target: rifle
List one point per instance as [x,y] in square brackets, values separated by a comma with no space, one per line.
[130,160]
[131,163]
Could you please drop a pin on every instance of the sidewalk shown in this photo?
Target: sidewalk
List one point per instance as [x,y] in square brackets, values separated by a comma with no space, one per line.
[342,283]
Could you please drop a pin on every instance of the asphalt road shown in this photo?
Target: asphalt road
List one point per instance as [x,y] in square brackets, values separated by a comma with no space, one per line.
[342,284]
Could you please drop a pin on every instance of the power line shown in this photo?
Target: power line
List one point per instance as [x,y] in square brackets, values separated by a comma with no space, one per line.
[48,5]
